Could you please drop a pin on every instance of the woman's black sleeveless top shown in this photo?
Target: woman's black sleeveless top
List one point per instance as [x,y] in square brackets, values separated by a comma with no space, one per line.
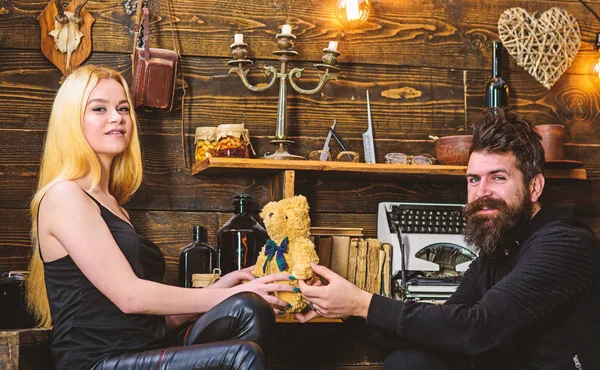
[87,325]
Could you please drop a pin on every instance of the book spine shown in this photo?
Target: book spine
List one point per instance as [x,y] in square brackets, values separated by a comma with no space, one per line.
[339,255]
[386,274]
[361,264]
[324,250]
[352,256]
[373,271]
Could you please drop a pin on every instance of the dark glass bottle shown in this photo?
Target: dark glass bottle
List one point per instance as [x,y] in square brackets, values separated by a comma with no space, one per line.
[496,90]
[196,258]
[240,240]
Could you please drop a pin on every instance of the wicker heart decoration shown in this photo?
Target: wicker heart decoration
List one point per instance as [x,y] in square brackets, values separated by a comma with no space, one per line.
[543,44]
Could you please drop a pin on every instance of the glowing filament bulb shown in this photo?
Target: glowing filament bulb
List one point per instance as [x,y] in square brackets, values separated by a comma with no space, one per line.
[597,66]
[352,13]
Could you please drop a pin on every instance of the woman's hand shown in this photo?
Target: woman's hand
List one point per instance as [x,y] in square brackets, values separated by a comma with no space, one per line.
[266,286]
[233,278]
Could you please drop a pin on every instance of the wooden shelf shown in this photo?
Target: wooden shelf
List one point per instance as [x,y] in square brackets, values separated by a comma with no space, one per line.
[281,174]
[265,167]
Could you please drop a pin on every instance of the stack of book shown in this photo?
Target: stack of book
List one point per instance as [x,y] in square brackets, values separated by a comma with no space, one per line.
[364,262]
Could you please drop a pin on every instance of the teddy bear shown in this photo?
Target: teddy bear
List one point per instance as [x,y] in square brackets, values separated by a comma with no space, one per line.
[289,248]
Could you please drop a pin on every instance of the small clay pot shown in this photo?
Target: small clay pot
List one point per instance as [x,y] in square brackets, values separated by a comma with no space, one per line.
[453,150]
[553,141]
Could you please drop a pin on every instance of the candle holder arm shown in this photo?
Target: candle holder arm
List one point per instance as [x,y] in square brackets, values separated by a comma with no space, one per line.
[323,79]
[269,71]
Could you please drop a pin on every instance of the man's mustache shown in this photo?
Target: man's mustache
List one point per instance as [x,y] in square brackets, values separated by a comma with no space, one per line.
[484,203]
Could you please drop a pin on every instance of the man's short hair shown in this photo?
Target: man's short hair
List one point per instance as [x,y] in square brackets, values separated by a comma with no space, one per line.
[501,130]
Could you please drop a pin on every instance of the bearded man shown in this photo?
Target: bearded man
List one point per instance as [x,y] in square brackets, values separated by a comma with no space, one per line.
[531,300]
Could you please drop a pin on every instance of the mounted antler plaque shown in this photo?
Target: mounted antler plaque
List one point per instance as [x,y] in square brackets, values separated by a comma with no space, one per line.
[66,34]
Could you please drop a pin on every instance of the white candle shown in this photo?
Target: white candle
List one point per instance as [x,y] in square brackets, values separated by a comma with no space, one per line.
[333,45]
[238,38]
[286,29]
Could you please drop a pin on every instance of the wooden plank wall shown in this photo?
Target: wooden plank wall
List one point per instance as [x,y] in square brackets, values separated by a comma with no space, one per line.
[440,49]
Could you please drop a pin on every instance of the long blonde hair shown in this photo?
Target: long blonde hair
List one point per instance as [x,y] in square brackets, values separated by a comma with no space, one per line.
[68,156]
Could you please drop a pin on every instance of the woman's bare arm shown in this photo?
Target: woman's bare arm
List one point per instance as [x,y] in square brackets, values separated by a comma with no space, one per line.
[70,217]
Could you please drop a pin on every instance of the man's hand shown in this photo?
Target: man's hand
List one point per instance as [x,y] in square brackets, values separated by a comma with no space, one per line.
[338,299]
[310,313]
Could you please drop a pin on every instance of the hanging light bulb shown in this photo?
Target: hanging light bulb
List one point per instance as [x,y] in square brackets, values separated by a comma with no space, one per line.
[352,13]
[597,66]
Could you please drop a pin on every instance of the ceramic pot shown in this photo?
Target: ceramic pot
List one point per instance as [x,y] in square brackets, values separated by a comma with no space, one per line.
[553,141]
[453,150]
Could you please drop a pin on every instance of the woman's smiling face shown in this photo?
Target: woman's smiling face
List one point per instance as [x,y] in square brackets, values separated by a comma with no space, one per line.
[107,122]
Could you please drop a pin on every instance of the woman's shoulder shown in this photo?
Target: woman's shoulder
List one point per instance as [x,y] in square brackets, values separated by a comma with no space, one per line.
[66,193]
[63,189]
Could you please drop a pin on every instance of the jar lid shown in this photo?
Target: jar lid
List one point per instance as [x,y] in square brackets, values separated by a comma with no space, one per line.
[230,126]
[236,130]
[205,133]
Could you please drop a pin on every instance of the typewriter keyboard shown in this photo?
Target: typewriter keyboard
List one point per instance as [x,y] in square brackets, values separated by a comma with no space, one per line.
[426,218]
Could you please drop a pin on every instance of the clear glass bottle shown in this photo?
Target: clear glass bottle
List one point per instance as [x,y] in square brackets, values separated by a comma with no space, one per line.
[240,240]
[496,90]
[196,258]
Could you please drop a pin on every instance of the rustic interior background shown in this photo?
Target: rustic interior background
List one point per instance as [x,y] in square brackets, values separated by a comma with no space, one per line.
[438,51]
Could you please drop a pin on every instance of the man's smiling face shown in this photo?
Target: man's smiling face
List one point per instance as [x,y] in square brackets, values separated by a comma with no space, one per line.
[498,201]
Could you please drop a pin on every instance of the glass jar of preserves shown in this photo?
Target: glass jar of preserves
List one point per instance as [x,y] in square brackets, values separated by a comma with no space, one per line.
[232,141]
[206,142]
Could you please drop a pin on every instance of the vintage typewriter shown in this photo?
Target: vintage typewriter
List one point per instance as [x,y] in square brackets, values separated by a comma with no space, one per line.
[429,253]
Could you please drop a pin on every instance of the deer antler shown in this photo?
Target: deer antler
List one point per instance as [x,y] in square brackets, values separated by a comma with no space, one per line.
[60,17]
[77,10]
[66,33]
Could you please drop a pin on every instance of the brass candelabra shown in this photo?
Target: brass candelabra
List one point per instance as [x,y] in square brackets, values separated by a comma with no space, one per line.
[285,44]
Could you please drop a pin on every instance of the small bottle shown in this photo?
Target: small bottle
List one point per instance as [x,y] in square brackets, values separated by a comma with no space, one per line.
[196,258]
[240,240]
[496,90]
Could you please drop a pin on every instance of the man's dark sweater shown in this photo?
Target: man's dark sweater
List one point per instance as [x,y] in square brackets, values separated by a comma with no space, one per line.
[537,308]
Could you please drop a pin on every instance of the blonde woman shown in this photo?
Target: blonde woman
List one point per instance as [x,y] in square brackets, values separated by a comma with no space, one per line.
[97,281]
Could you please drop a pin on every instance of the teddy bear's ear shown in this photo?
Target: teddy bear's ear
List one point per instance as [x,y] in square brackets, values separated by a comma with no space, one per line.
[301,203]
[266,209]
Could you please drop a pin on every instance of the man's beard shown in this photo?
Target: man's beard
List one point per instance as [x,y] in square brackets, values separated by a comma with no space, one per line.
[491,234]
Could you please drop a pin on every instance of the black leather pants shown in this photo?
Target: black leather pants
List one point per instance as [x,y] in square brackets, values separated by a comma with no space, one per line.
[232,335]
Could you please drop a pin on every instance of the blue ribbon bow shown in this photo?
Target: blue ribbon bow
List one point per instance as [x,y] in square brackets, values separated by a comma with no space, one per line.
[276,250]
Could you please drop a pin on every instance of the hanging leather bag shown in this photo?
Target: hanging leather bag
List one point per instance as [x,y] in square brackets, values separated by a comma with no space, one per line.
[154,71]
